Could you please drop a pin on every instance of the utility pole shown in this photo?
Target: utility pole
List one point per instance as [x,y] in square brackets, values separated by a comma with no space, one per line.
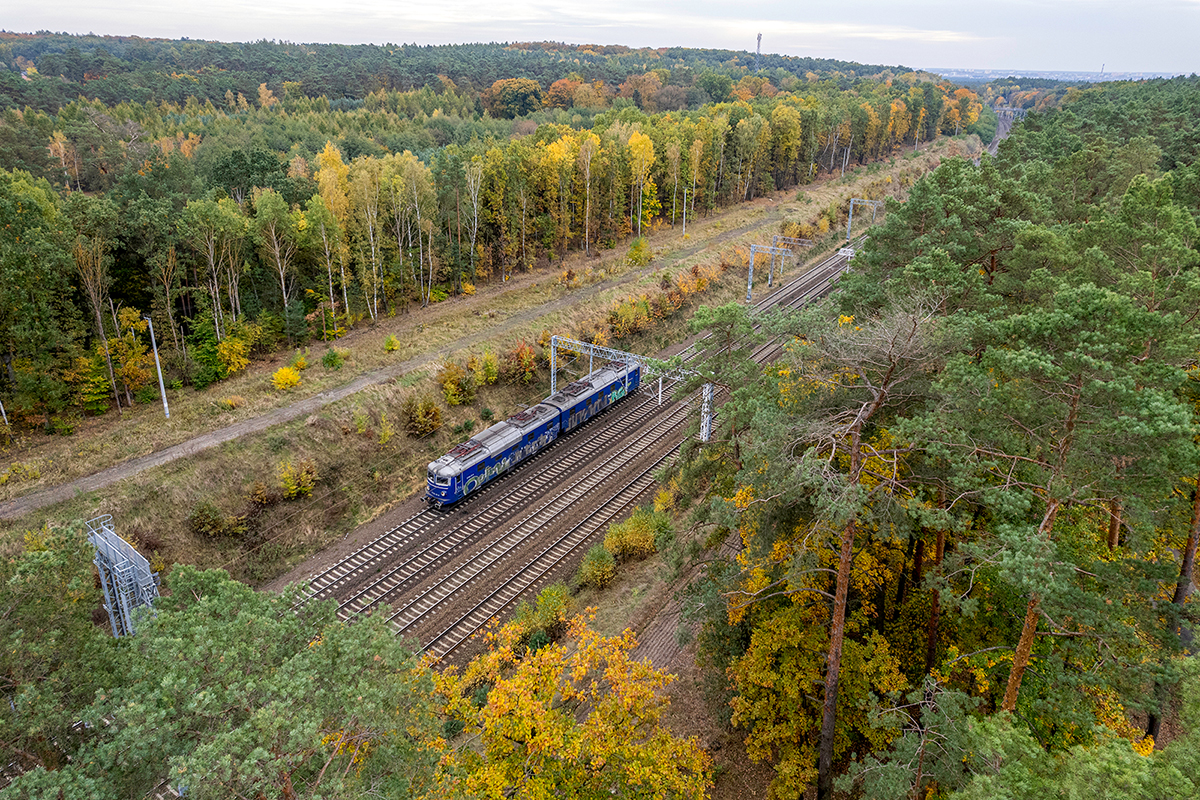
[161,388]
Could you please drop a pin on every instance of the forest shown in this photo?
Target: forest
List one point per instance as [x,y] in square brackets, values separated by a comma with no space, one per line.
[133,69]
[239,225]
[965,498]
[967,494]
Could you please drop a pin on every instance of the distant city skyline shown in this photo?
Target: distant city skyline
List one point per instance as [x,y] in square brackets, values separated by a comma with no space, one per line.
[1156,36]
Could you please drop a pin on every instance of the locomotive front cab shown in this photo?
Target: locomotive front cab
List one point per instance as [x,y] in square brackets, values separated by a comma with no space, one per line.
[439,485]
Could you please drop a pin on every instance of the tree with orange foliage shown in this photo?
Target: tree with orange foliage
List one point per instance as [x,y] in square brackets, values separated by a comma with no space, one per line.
[642,89]
[561,93]
[512,97]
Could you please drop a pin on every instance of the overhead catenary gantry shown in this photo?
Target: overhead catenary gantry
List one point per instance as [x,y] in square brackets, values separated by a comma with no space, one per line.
[1009,111]
[649,366]
[790,242]
[874,204]
[755,249]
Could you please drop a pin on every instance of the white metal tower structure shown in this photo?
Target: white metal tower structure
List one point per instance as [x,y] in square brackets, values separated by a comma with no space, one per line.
[125,575]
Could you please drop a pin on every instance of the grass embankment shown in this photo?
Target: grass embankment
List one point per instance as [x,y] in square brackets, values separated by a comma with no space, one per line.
[223,506]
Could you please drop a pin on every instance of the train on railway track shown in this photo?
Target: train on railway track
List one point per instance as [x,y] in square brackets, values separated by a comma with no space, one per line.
[494,451]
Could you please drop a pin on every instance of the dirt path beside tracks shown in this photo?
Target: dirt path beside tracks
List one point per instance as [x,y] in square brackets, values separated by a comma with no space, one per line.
[706,236]
[20,506]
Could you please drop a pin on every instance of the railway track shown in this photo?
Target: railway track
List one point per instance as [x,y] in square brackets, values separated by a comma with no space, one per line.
[525,532]
[815,283]
[490,505]
[493,542]
[537,571]
[440,552]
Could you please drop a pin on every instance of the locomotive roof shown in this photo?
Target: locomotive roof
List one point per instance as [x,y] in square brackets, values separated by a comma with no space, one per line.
[490,441]
[505,434]
[599,378]
[532,417]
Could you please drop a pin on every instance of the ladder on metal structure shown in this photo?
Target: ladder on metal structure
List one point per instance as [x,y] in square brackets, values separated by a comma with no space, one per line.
[125,575]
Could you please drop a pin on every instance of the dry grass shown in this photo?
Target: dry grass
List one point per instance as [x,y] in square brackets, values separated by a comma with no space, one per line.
[359,478]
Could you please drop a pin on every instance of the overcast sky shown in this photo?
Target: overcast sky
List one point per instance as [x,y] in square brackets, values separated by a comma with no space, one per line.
[1077,35]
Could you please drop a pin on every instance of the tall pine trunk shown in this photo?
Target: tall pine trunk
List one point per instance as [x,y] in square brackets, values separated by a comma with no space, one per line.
[1029,628]
[837,636]
[1187,567]
[1183,588]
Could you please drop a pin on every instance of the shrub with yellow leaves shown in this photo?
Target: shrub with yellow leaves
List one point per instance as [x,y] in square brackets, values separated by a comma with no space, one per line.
[638,536]
[285,378]
[598,567]
[233,355]
[298,480]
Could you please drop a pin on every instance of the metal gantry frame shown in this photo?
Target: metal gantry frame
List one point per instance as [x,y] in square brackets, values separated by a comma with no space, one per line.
[790,242]
[125,575]
[755,249]
[650,366]
[874,204]
[1015,113]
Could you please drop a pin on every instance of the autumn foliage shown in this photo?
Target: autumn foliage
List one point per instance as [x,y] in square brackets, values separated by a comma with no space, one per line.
[581,718]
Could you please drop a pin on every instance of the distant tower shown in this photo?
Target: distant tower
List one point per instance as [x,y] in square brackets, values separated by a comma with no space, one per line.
[758,52]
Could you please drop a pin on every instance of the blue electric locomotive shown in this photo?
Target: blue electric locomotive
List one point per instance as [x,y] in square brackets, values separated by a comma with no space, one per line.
[504,445]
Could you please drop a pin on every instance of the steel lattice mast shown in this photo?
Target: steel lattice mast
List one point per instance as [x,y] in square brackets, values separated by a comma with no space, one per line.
[125,575]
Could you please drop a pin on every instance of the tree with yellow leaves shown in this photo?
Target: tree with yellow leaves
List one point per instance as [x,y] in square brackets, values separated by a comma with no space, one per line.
[333,184]
[581,719]
[589,146]
[641,159]
[899,122]
[560,157]
[129,351]
[366,214]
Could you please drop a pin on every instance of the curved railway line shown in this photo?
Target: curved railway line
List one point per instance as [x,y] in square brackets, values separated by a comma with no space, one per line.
[486,509]
[442,574]
[538,571]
